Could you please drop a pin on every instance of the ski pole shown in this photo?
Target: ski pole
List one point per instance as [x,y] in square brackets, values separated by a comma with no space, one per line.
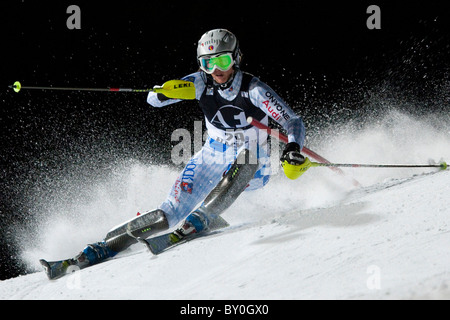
[442,165]
[326,163]
[305,150]
[17,87]
[174,89]
[280,136]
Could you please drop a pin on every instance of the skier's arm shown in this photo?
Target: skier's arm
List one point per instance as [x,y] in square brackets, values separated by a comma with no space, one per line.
[158,100]
[261,95]
[268,101]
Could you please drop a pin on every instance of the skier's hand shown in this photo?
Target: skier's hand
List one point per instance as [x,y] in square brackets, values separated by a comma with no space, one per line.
[294,164]
[291,154]
[176,89]
[161,97]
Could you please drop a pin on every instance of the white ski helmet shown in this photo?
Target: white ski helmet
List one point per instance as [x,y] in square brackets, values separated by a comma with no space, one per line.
[215,43]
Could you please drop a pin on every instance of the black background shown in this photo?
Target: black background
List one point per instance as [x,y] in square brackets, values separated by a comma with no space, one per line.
[315,54]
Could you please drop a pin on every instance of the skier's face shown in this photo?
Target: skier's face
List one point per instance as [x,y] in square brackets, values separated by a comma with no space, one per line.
[220,76]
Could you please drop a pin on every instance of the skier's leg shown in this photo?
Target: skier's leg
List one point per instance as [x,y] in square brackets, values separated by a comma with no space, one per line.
[262,175]
[198,178]
[121,237]
[143,226]
[232,184]
[194,183]
[118,239]
[223,195]
[202,173]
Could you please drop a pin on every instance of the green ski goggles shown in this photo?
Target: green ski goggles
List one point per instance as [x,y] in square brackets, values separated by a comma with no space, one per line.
[222,62]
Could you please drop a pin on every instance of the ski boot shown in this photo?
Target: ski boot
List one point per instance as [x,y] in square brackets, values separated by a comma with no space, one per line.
[196,222]
[92,254]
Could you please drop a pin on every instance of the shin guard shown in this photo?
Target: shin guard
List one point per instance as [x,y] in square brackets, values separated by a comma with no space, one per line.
[143,226]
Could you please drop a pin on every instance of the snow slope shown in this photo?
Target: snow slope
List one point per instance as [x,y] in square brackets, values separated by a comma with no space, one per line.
[314,238]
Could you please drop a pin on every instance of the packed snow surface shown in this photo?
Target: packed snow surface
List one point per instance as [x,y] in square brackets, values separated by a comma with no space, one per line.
[318,237]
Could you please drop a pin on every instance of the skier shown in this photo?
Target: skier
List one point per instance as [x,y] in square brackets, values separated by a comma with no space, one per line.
[234,157]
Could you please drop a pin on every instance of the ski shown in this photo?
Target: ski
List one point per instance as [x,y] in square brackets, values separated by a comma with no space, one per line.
[164,242]
[58,269]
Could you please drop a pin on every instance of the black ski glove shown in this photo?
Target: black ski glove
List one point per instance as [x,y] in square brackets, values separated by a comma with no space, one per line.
[292,155]
[162,97]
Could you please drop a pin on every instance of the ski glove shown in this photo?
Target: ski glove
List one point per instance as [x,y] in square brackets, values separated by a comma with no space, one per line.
[291,154]
[176,89]
[161,97]
[294,164]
